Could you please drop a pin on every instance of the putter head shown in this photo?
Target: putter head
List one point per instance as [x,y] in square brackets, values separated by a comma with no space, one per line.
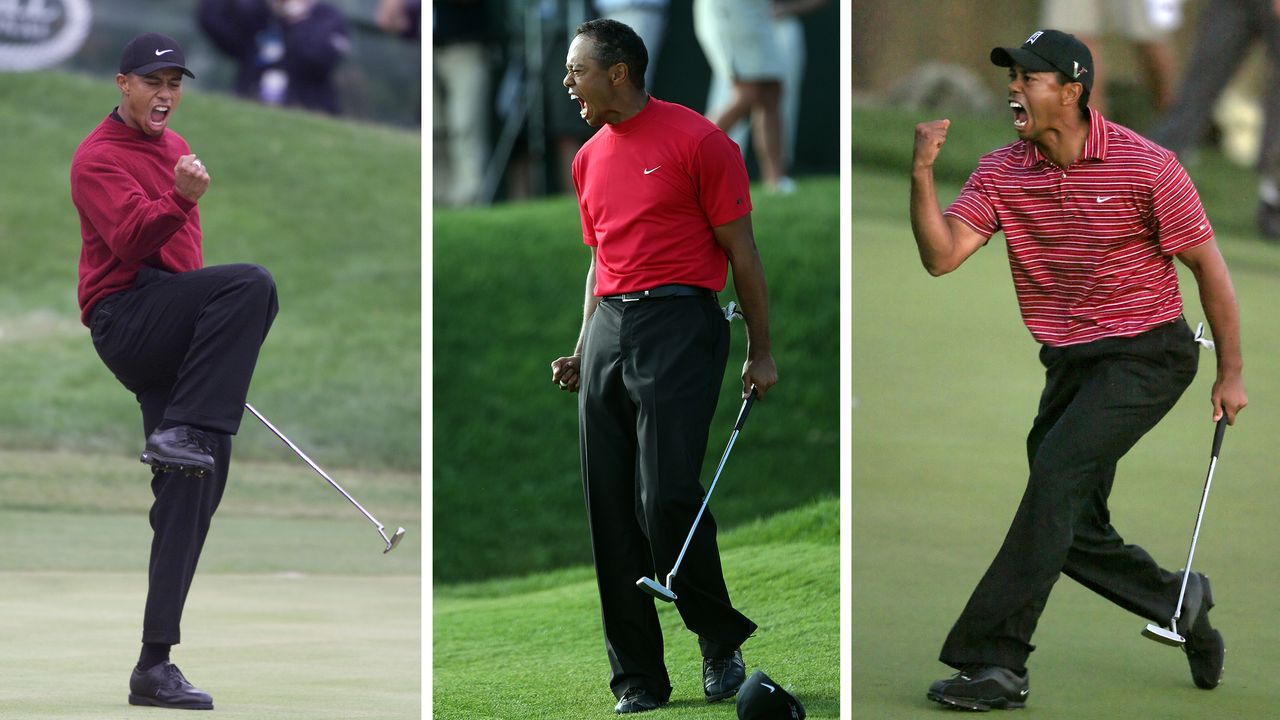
[394,541]
[1162,635]
[656,589]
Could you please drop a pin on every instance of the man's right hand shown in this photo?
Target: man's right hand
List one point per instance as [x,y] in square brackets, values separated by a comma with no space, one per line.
[929,139]
[190,178]
[565,372]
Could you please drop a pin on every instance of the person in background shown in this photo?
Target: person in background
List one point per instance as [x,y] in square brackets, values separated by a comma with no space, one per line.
[1145,23]
[738,40]
[287,51]
[788,30]
[1228,28]
[462,97]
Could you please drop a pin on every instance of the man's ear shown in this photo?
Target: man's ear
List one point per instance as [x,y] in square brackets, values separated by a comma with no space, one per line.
[618,74]
[122,82]
[1071,93]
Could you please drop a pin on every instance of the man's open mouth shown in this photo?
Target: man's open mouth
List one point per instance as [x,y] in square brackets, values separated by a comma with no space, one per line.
[1019,114]
[582,104]
[159,114]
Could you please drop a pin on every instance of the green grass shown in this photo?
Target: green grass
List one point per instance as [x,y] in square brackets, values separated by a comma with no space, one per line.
[294,612]
[508,301]
[782,572]
[946,381]
[267,647]
[331,208]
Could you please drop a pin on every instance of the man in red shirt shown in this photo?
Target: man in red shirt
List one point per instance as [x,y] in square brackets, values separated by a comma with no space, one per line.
[183,338]
[665,209]
[1093,215]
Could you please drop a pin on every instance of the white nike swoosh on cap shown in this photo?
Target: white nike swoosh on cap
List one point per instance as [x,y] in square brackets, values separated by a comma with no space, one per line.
[765,684]
[161,52]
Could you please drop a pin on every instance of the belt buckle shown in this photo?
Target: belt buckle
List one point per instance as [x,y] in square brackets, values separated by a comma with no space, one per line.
[641,295]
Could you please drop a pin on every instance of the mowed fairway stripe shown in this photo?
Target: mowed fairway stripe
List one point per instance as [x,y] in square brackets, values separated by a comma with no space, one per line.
[265,646]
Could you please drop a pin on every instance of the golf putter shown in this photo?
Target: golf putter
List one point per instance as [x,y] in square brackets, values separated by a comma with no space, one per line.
[1170,635]
[651,585]
[390,541]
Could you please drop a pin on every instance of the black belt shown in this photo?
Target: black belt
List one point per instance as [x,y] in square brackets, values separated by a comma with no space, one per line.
[663,291]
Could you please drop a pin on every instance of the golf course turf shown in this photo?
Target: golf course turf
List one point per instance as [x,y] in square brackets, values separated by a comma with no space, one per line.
[946,382]
[294,612]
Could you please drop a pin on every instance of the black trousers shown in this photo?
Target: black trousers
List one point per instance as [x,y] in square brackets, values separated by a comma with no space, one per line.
[651,374]
[185,345]
[1099,399]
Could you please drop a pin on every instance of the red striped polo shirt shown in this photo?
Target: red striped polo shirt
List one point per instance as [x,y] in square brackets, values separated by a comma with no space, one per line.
[1091,247]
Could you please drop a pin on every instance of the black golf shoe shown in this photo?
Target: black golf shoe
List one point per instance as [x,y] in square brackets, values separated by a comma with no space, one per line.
[722,676]
[1205,649]
[982,687]
[164,686]
[636,700]
[181,447]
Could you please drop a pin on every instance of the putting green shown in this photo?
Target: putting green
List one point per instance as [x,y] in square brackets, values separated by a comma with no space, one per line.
[267,647]
[294,612]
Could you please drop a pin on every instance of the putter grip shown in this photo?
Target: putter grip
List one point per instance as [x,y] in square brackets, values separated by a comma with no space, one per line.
[1217,434]
[746,408]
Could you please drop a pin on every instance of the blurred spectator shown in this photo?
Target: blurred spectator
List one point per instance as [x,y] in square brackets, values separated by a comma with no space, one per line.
[461,98]
[402,18]
[647,17]
[737,36]
[1227,29]
[789,35]
[286,50]
[1145,23]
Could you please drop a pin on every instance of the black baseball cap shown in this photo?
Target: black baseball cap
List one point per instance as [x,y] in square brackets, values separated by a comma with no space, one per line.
[760,698]
[1047,51]
[150,52]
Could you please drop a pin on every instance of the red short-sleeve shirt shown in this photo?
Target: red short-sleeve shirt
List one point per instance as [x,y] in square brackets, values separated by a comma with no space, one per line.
[650,190]
[1091,246]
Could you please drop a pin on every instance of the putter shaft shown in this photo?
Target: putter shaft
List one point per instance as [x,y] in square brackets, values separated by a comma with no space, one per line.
[737,427]
[320,471]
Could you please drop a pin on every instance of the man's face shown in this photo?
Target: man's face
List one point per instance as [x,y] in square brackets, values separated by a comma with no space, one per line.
[147,101]
[1036,99]
[588,82]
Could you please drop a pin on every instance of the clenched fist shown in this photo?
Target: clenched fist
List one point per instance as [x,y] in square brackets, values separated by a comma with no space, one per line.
[929,139]
[190,178]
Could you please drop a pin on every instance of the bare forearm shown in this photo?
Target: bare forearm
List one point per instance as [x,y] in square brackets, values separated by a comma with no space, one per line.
[933,235]
[753,297]
[1218,298]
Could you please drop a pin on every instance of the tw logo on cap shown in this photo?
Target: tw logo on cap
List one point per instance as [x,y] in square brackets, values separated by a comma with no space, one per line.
[1034,37]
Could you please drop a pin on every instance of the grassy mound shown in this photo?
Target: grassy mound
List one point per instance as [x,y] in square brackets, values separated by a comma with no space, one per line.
[508,300]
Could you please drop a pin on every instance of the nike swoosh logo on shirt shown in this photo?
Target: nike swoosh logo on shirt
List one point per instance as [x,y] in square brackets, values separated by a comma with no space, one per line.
[647,170]
[1104,198]
[162,52]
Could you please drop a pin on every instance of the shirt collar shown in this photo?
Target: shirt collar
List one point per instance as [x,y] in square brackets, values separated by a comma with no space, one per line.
[1095,145]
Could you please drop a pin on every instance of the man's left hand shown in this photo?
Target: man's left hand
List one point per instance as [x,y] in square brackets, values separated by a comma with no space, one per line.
[1228,396]
[761,372]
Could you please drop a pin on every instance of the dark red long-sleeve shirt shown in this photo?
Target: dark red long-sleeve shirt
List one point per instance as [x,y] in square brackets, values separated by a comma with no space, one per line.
[130,213]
